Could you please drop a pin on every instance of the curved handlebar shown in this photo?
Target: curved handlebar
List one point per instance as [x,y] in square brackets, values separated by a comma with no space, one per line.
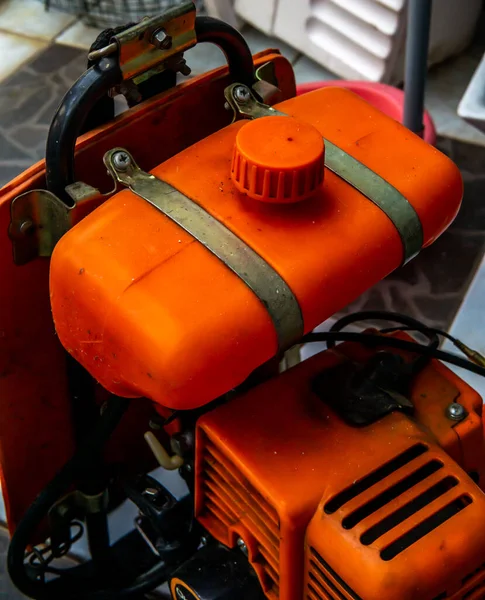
[100,78]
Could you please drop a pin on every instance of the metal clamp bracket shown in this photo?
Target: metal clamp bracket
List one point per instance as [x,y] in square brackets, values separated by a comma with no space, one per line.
[38,219]
[374,187]
[152,42]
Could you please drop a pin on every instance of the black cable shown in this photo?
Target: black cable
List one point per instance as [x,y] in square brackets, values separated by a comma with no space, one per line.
[374,340]
[424,327]
[58,486]
[384,315]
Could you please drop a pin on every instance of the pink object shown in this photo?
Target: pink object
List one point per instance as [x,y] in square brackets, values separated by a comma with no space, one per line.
[386,98]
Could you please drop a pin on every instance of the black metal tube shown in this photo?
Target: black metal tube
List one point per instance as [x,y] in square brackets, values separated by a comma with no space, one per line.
[93,85]
[232,43]
[98,538]
[417,42]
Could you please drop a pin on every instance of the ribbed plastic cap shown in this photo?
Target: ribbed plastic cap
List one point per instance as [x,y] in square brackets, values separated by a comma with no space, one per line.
[278,159]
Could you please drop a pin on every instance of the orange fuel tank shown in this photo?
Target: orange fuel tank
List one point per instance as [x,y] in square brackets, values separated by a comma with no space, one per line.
[150,311]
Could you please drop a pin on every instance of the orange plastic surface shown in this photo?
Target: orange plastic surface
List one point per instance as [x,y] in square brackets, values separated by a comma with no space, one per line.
[278,159]
[151,312]
[268,461]
[36,434]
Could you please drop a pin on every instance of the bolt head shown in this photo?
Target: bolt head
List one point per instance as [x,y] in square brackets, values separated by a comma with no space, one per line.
[184,68]
[121,161]
[241,544]
[456,411]
[242,94]
[182,443]
[27,227]
[162,40]
[151,493]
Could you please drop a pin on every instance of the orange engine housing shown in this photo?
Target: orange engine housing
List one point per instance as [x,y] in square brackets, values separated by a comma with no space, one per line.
[333,512]
[149,311]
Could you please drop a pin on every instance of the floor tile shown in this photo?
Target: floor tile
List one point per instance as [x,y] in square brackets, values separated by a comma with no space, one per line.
[28,100]
[15,50]
[307,70]
[54,59]
[79,35]
[29,18]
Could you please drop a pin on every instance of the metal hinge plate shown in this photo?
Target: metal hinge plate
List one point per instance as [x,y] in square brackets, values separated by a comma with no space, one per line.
[38,219]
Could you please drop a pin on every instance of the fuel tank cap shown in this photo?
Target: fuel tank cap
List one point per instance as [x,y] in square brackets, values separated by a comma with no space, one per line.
[278,159]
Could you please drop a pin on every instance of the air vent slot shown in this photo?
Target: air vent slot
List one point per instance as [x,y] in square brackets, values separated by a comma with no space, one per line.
[391,494]
[367,482]
[325,583]
[230,499]
[425,527]
[412,507]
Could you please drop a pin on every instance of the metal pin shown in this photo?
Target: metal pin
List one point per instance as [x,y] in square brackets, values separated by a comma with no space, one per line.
[95,55]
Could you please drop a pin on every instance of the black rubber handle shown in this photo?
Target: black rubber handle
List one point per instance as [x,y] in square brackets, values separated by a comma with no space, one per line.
[232,43]
[95,83]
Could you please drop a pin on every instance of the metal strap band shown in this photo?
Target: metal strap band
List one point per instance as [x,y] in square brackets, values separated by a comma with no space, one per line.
[384,195]
[257,274]
[375,188]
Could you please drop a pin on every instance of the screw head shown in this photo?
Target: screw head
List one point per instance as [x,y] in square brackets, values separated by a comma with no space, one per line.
[241,544]
[121,161]
[162,40]
[456,411]
[241,94]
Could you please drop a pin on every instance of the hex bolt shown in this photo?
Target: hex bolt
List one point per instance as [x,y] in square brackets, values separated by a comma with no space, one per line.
[456,411]
[121,161]
[241,94]
[161,40]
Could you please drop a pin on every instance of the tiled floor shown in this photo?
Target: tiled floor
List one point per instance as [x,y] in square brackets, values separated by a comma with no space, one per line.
[43,55]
